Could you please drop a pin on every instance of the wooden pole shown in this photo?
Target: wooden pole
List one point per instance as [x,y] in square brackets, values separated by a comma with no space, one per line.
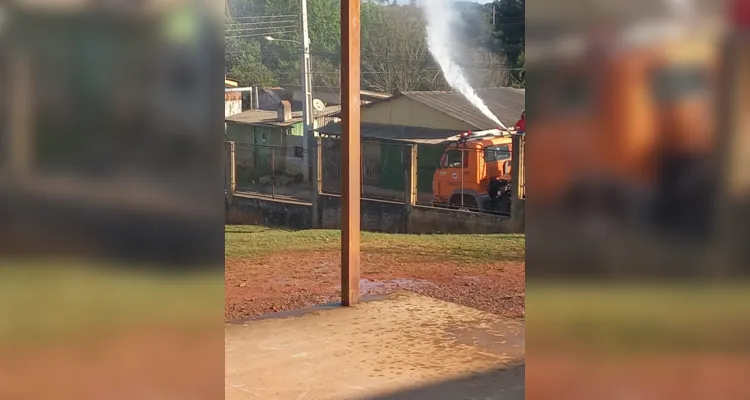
[350,151]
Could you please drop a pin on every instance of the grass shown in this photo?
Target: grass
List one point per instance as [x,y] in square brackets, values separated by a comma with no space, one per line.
[44,301]
[645,317]
[253,241]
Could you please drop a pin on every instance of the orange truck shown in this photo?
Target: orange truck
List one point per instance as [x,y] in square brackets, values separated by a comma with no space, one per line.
[623,130]
[474,172]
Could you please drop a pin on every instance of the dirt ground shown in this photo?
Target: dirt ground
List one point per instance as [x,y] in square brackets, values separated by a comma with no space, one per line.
[294,280]
[156,362]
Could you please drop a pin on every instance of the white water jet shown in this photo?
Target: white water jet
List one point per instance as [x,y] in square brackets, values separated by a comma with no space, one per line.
[442,18]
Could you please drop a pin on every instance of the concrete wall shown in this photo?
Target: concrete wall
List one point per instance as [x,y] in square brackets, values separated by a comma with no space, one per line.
[245,210]
[377,216]
[407,112]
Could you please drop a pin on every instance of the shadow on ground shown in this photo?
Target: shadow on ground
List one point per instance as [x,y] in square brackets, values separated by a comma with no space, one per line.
[500,384]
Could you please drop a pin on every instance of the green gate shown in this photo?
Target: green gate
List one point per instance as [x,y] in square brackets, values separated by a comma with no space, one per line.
[393,164]
[428,161]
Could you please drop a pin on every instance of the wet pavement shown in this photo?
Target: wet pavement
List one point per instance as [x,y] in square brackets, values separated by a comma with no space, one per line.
[401,346]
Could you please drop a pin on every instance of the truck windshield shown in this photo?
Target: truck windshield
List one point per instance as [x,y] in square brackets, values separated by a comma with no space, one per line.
[452,159]
[673,83]
[497,153]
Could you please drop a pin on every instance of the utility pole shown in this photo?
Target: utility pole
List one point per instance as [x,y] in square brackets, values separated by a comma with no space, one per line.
[493,15]
[310,145]
[307,115]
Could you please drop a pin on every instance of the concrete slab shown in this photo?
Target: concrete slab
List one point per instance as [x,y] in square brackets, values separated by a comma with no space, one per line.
[403,347]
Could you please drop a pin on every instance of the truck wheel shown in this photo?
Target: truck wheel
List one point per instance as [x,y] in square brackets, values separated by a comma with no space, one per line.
[469,202]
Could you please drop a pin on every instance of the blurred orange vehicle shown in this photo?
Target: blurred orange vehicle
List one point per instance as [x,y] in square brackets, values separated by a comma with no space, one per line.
[623,130]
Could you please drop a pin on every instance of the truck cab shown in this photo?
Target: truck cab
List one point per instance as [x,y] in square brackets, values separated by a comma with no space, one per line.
[615,131]
[469,167]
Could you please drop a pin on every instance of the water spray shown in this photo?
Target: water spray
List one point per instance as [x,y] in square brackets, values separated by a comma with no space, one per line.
[442,18]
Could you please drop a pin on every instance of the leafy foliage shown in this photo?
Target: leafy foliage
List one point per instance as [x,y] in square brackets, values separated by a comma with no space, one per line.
[394,50]
[509,32]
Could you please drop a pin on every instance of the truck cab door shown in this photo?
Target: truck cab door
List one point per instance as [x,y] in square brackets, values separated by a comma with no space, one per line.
[454,170]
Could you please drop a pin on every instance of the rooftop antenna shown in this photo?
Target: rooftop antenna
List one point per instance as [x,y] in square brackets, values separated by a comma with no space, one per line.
[318,105]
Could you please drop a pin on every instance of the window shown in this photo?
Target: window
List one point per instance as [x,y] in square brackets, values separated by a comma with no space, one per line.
[497,153]
[675,82]
[452,159]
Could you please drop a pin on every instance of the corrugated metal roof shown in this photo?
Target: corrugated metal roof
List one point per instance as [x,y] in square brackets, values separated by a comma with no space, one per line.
[395,132]
[270,118]
[506,103]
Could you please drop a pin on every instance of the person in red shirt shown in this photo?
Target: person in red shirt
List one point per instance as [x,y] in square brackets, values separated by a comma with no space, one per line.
[521,124]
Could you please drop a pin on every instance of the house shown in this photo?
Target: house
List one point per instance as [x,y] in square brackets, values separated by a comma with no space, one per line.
[428,119]
[260,133]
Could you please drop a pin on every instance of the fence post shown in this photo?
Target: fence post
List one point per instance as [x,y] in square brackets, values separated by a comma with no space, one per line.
[21,118]
[516,164]
[517,177]
[411,176]
[316,178]
[230,171]
[319,164]
[362,165]
[273,172]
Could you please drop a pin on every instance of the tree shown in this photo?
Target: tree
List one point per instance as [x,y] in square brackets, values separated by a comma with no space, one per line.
[510,34]
[278,62]
[394,50]
[242,60]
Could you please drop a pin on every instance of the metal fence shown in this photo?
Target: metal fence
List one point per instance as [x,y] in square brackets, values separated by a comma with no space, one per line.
[428,164]
[272,170]
[384,170]
[444,176]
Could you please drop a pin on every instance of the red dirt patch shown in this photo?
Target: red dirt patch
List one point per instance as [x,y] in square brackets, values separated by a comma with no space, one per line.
[282,282]
[647,377]
[151,362]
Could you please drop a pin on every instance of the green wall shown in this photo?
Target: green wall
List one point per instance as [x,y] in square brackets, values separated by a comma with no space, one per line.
[393,162]
[394,158]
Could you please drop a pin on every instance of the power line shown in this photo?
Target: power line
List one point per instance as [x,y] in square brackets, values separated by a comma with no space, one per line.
[500,69]
[267,16]
[287,26]
[262,34]
[261,23]
[267,32]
